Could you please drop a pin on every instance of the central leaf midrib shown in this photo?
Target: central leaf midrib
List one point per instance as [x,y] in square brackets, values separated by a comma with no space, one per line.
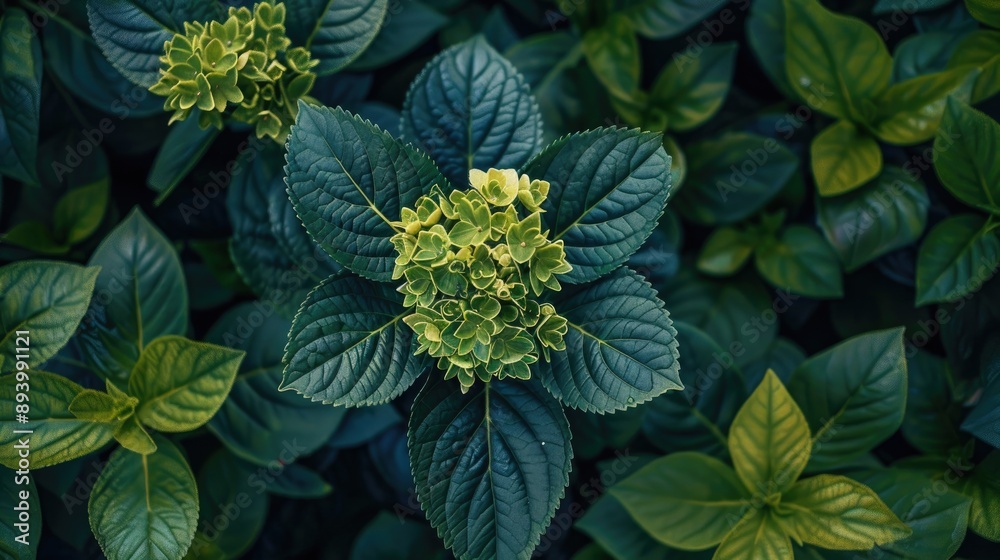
[368,201]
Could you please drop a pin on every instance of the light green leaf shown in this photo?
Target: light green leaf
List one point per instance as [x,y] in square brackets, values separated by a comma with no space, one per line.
[19,494]
[726,251]
[685,500]
[20,95]
[802,262]
[909,112]
[620,349]
[836,512]
[349,186]
[963,156]
[131,33]
[42,303]
[698,417]
[470,109]
[957,256]
[880,217]
[34,235]
[612,50]
[98,406]
[688,92]
[982,485]
[834,62]
[257,422]
[140,295]
[731,178]
[80,211]
[986,11]
[844,158]
[662,19]
[608,189]
[145,506]
[769,439]
[938,520]
[349,346]
[853,395]
[755,536]
[496,490]
[132,436]
[335,33]
[58,436]
[180,383]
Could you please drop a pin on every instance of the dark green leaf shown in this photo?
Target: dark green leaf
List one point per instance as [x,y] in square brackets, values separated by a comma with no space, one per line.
[335,33]
[145,506]
[726,251]
[909,112]
[140,295]
[853,395]
[731,178]
[957,256]
[349,346]
[921,54]
[348,180]
[766,35]
[404,29]
[80,212]
[802,262]
[490,466]
[612,50]
[980,49]
[986,11]
[471,109]
[20,95]
[183,147]
[620,348]
[963,157]
[688,92]
[257,422]
[299,481]
[232,511]
[661,19]
[882,216]
[42,303]
[932,411]
[131,33]
[387,538]
[608,189]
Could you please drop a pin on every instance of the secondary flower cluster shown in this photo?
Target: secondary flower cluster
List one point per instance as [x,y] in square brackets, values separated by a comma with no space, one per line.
[473,268]
[244,61]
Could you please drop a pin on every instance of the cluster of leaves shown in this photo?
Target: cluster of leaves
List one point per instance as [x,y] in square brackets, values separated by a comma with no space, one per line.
[245,61]
[845,147]
[463,268]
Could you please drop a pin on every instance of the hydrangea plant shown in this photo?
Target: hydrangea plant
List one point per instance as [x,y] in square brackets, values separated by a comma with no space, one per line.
[457,240]
[245,61]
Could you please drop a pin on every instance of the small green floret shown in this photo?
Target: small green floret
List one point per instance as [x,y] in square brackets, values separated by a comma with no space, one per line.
[244,64]
[473,269]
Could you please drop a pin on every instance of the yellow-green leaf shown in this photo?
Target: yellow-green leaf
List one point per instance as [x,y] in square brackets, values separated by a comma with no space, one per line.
[769,440]
[844,158]
[756,536]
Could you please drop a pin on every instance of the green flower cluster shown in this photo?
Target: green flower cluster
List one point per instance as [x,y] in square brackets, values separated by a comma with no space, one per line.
[473,268]
[245,62]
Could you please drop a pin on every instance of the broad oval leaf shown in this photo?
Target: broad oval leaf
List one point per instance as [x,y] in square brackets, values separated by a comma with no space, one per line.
[185,144]
[933,411]
[979,49]
[348,180]
[698,417]
[293,239]
[139,295]
[225,482]
[145,506]
[20,95]
[490,466]
[923,53]
[609,524]
[726,251]
[621,348]
[405,28]
[612,51]
[685,500]
[963,156]
[853,395]
[756,535]
[42,303]
[181,383]
[257,422]
[957,256]
[886,214]
[802,262]
[388,537]
[662,19]
[909,112]
[834,62]
[766,35]
[690,90]
[131,33]
[844,158]
[730,178]
[769,440]
[59,435]
[832,511]
[349,346]
[608,190]
[986,11]
[471,109]
[335,33]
